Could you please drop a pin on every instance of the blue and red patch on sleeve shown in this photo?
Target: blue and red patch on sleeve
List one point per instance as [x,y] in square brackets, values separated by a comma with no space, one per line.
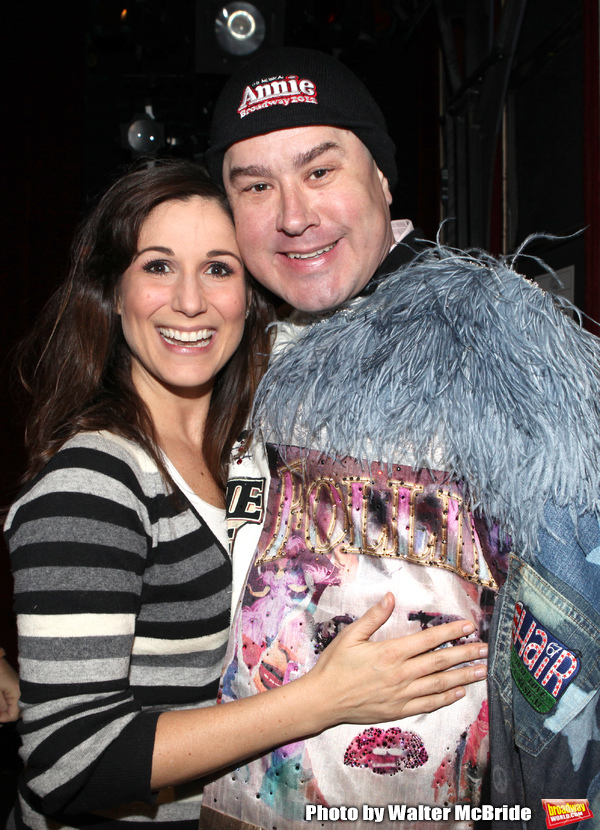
[541,666]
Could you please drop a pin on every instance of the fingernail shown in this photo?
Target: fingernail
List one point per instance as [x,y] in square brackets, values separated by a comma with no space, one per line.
[483,651]
[460,693]
[384,601]
[469,628]
[481,671]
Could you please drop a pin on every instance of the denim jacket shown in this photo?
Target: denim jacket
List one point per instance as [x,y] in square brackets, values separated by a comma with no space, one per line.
[544,673]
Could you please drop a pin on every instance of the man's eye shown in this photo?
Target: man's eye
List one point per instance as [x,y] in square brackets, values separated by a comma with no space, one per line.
[157,266]
[318,174]
[259,187]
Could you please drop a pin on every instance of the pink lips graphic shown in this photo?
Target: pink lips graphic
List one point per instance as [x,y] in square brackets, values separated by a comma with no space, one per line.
[386,751]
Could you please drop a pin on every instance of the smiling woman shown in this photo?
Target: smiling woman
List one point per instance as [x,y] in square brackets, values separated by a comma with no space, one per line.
[182,304]
[169,226]
[182,307]
[142,371]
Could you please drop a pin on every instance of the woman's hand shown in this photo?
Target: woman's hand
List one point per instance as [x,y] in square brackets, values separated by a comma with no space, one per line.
[9,692]
[393,679]
[354,681]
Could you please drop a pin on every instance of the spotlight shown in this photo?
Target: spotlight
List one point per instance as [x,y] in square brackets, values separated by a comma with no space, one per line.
[229,33]
[143,135]
[240,28]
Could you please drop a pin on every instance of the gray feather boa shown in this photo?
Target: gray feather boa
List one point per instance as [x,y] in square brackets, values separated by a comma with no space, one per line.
[454,351]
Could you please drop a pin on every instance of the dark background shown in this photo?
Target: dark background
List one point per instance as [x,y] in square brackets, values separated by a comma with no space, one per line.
[75,72]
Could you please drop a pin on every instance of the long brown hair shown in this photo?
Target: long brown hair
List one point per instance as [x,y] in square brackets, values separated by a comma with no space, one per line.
[76,363]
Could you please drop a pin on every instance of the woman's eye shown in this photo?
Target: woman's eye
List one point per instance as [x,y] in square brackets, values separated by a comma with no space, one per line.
[157,266]
[219,269]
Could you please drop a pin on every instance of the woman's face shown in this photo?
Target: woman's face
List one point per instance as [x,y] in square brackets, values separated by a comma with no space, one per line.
[182,300]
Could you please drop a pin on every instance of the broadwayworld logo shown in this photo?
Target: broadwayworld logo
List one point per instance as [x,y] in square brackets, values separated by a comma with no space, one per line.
[561,811]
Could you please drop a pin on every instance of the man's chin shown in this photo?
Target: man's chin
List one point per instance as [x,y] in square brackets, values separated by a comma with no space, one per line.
[316,308]
[317,299]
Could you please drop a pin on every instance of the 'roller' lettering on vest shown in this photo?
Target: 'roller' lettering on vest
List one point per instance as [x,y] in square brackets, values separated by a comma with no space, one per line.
[405,516]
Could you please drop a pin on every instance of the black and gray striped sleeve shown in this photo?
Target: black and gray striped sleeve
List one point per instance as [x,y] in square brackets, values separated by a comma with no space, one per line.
[80,538]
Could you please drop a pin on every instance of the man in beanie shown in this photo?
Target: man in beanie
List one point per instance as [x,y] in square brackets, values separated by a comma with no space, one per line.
[303,151]
[386,424]
[305,158]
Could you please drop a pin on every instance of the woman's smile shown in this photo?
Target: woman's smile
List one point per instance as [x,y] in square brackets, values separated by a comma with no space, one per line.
[186,339]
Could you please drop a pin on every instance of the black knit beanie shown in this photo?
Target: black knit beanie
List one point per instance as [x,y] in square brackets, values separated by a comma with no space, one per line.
[289,87]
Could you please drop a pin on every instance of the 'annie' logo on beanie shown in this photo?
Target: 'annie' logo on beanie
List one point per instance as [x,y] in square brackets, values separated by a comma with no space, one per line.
[280,90]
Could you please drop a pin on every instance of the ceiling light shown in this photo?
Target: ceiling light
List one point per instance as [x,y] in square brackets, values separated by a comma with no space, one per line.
[240,28]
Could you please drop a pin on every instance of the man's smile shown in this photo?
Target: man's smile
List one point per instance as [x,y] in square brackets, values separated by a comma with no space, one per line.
[312,254]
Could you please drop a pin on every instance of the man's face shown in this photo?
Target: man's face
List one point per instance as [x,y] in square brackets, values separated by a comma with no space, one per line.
[311,213]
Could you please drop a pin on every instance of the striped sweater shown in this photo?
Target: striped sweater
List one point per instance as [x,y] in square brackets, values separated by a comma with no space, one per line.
[122,598]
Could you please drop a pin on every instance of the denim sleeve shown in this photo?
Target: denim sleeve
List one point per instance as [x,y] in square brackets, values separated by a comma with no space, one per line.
[545,671]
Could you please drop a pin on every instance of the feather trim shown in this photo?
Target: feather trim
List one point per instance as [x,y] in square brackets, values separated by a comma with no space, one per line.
[454,356]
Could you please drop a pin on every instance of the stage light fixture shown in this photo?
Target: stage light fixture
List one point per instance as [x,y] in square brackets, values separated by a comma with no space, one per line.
[230,33]
[143,135]
[240,28]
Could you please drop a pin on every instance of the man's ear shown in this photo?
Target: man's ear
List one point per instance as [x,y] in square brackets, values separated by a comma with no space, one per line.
[385,186]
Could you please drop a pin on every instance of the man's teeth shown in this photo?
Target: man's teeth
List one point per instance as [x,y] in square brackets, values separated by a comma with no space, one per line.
[175,336]
[313,253]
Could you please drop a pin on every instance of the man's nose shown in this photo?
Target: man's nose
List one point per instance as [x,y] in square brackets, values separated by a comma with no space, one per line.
[297,211]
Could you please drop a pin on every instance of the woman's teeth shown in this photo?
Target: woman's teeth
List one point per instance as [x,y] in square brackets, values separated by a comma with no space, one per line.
[195,339]
[313,253]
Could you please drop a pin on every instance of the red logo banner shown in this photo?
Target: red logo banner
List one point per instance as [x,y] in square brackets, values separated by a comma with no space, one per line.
[561,811]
